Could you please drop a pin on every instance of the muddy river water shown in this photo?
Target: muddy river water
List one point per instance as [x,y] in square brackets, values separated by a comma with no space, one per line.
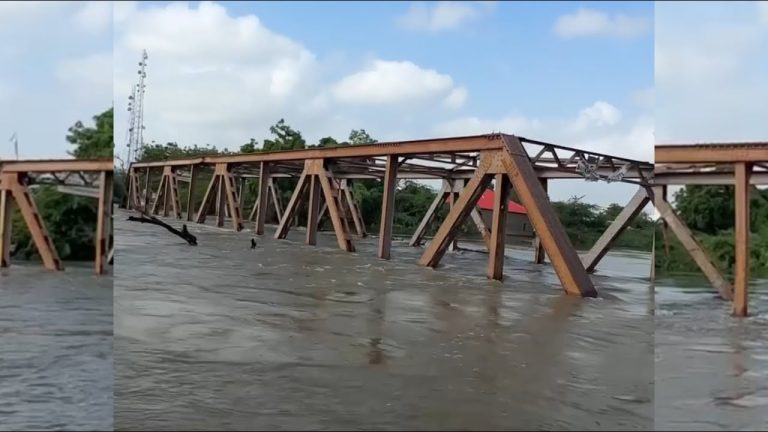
[288,336]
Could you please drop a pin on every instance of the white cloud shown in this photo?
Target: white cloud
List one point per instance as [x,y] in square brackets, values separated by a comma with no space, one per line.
[456,98]
[588,22]
[442,16]
[394,82]
[599,114]
[94,16]
[215,78]
[601,128]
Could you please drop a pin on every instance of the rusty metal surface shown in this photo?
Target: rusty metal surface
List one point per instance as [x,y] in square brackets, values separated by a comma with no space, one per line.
[741,241]
[56,165]
[712,152]
[430,159]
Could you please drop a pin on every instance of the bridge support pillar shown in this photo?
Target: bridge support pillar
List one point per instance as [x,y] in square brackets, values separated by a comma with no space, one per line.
[513,162]
[741,280]
[13,188]
[134,194]
[614,230]
[388,208]
[498,227]
[314,169]
[314,210]
[683,233]
[222,194]
[354,209]
[6,213]
[146,189]
[103,221]
[194,173]
[168,193]
[538,249]
[450,187]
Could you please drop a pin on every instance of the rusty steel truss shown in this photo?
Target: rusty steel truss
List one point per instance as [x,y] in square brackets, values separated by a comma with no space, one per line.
[465,165]
[744,165]
[80,177]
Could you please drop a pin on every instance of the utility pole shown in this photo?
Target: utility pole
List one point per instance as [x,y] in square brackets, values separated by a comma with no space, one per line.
[15,140]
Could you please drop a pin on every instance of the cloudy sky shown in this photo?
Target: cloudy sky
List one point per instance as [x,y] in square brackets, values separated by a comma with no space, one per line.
[56,69]
[711,71]
[580,74]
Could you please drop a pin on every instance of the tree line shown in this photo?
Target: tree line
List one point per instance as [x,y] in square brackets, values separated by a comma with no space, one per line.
[709,213]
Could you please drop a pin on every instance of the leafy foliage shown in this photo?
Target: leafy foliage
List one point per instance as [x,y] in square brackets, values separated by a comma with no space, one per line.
[93,142]
[709,213]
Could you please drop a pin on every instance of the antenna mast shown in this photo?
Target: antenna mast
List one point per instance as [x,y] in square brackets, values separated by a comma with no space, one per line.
[132,150]
[136,108]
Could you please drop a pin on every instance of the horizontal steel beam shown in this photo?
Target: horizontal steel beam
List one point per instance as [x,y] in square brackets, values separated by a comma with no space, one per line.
[542,172]
[79,191]
[712,153]
[55,165]
[440,145]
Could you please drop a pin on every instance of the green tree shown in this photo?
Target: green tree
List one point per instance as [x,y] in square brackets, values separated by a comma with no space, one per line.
[360,136]
[93,142]
[328,142]
[707,209]
[286,138]
[249,147]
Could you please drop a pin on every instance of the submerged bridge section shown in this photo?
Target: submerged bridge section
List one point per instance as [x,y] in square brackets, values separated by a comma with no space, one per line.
[744,165]
[466,166]
[72,176]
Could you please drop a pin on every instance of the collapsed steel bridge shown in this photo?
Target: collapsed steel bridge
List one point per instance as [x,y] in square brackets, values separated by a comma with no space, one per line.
[466,166]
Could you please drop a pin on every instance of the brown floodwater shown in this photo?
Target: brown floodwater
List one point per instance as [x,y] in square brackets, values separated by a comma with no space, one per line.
[711,368]
[289,336]
[55,348]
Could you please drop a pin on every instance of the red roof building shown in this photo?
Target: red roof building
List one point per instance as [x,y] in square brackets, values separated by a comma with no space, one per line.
[486,203]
